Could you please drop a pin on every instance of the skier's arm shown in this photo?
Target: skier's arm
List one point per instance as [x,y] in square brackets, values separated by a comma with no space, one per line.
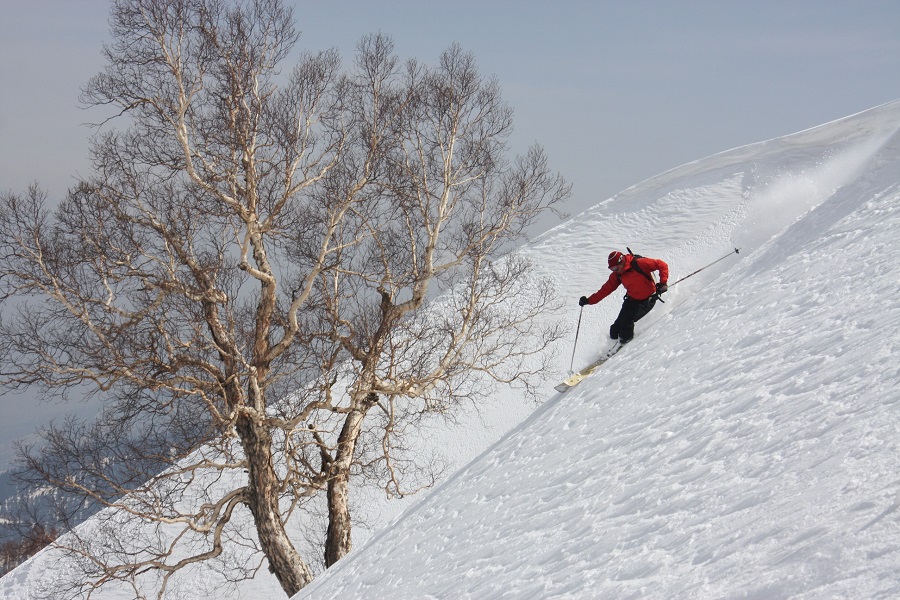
[662,267]
[608,288]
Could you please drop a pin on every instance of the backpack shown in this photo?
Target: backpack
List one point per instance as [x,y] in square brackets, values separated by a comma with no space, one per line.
[637,267]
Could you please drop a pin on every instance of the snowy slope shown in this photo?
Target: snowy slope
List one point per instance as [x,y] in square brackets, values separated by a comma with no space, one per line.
[747,443]
[744,445]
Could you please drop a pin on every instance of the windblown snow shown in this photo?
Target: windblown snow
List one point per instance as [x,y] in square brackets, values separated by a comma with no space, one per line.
[746,444]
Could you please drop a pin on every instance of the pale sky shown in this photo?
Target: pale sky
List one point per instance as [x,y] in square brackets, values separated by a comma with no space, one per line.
[615,91]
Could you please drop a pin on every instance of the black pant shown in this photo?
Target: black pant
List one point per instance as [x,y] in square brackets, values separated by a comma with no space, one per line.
[632,310]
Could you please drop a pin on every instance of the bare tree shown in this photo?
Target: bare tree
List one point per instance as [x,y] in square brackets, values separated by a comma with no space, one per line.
[244,281]
[445,202]
[15,552]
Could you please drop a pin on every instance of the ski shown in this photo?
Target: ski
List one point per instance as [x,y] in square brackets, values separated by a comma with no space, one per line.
[577,378]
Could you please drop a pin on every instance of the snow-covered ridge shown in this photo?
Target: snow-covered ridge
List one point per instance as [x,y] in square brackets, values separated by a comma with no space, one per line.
[745,444]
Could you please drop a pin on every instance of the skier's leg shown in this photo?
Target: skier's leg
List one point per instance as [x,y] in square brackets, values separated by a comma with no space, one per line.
[625,320]
[644,307]
[626,331]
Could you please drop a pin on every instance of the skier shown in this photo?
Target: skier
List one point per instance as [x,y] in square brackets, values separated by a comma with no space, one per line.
[641,290]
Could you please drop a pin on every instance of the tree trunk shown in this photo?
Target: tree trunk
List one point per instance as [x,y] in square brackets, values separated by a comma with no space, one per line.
[284,561]
[338,540]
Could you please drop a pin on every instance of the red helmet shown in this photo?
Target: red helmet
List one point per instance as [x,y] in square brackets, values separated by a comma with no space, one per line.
[615,259]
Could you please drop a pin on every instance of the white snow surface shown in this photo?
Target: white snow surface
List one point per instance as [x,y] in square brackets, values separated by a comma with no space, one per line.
[746,444]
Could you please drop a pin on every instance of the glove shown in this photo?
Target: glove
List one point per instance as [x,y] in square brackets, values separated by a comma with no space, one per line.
[582,301]
[662,288]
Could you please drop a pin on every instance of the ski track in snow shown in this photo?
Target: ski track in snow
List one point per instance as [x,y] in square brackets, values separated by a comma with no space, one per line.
[746,444]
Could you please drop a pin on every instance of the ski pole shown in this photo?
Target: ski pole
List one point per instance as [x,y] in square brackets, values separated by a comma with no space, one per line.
[575,345]
[736,251]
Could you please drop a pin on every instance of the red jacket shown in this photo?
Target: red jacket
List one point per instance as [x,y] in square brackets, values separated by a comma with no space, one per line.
[636,285]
